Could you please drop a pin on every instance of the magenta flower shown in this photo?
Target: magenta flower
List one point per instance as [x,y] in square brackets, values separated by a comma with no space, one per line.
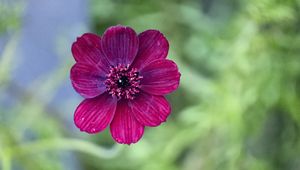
[123,78]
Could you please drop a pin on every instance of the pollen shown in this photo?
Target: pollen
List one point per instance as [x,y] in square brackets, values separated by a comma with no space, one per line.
[123,82]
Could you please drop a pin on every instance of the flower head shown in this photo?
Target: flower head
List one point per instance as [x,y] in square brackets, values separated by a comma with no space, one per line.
[123,78]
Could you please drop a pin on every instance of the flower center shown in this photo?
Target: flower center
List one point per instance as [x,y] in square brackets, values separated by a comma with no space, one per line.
[123,82]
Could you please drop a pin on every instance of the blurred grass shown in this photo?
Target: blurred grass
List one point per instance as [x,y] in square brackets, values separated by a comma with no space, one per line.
[237,107]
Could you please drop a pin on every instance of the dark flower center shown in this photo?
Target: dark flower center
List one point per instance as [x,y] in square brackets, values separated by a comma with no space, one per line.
[123,82]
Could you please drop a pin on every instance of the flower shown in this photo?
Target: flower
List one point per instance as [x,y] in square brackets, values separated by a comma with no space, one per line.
[123,78]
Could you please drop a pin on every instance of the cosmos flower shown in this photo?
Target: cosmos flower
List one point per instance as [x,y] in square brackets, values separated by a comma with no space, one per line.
[123,78]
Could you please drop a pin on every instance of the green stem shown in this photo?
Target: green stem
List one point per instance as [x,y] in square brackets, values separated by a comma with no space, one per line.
[65,144]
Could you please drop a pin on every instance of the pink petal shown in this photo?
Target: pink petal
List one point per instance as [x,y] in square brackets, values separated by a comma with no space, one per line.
[125,128]
[150,110]
[160,77]
[94,115]
[152,46]
[120,45]
[87,49]
[87,80]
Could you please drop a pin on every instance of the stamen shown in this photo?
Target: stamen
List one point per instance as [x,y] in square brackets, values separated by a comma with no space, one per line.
[123,82]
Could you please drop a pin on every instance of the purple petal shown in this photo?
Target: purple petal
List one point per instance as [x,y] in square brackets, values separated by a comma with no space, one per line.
[152,46]
[120,45]
[87,80]
[160,77]
[150,110]
[87,49]
[125,128]
[94,115]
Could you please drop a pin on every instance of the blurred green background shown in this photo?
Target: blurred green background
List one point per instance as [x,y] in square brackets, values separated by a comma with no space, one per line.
[237,108]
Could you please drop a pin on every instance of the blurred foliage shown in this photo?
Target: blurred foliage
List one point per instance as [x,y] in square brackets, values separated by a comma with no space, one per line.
[238,106]
[10,15]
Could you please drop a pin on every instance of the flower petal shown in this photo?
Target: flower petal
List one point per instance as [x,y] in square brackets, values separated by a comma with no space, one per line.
[87,49]
[152,46]
[94,115]
[150,110]
[125,128]
[87,80]
[160,77]
[120,45]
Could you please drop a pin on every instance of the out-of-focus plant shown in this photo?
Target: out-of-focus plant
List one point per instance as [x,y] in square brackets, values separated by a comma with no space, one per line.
[31,137]
[237,107]
[10,13]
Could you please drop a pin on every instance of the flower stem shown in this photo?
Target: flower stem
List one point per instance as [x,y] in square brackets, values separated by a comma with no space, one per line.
[64,144]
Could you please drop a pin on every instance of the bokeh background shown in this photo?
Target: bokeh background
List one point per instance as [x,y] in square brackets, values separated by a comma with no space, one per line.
[237,108]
